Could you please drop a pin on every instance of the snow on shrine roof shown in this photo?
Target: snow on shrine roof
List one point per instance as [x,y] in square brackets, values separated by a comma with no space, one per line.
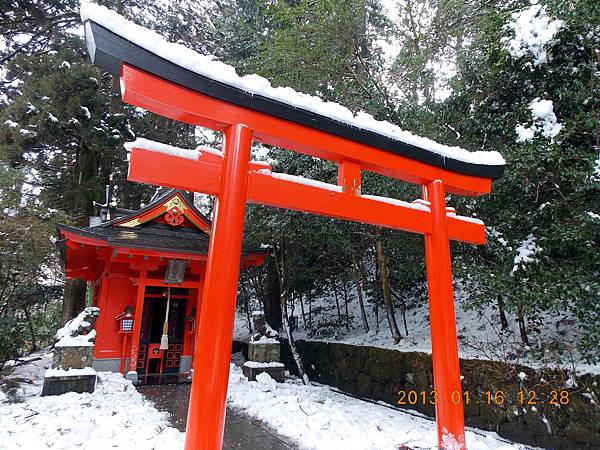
[112,41]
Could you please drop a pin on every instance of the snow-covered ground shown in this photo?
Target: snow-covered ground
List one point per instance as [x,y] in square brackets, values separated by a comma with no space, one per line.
[117,416]
[114,416]
[316,417]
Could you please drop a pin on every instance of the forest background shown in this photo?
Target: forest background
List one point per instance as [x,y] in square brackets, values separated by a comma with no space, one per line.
[462,73]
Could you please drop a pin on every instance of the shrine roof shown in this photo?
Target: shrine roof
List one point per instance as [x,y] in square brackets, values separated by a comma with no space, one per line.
[145,228]
[113,41]
[155,238]
[157,205]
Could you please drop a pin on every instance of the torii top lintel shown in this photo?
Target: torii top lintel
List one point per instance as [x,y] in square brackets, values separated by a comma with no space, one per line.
[194,98]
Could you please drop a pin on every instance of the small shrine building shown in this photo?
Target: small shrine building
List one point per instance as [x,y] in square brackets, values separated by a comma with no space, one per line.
[145,271]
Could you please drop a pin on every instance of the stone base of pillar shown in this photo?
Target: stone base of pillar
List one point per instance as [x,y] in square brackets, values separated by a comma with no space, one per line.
[58,382]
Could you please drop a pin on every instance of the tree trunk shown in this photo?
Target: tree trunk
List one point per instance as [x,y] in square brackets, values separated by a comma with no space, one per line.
[503,319]
[303,313]
[282,275]
[359,292]
[337,303]
[34,345]
[345,292]
[402,310]
[387,292]
[522,327]
[73,300]
[272,298]
[246,306]
[310,326]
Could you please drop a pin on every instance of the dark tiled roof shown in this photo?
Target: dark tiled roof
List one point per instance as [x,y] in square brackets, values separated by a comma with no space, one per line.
[151,237]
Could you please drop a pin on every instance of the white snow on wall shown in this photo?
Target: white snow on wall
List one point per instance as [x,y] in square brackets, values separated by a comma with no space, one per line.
[525,252]
[70,372]
[533,30]
[257,85]
[544,122]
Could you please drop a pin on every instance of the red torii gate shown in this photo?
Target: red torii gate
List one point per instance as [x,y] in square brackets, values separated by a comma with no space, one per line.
[234,180]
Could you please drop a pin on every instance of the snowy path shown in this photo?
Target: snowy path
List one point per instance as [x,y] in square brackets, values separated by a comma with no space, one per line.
[117,416]
[240,432]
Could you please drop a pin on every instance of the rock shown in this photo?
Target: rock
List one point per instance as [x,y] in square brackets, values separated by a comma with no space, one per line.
[75,357]
[263,351]
[62,383]
[275,371]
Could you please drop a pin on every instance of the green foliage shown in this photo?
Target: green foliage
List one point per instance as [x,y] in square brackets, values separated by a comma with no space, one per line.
[549,188]
[333,49]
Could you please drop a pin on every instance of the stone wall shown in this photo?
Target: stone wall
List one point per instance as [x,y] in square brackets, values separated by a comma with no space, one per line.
[499,400]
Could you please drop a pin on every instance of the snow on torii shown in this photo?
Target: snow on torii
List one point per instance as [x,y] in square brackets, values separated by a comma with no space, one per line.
[176,82]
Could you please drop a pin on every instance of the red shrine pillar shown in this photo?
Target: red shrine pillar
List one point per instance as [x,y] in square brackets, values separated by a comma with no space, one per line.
[137,325]
[444,346]
[206,414]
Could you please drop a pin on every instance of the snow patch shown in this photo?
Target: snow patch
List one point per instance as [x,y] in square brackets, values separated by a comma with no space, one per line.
[263,365]
[67,336]
[395,202]
[114,416]
[545,122]
[593,215]
[320,418]
[533,30]
[525,252]
[301,180]
[70,372]
[86,112]
[163,148]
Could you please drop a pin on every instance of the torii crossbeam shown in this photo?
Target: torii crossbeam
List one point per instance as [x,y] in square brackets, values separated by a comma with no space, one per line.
[154,82]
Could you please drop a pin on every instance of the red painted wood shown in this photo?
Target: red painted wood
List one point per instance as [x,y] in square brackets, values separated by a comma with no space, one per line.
[206,416]
[234,181]
[349,177]
[137,323]
[444,347]
[166,170]
[176,102]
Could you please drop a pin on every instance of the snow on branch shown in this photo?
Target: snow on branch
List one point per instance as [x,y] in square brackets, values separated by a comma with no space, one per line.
[545,122]
[533,30]
[525,252]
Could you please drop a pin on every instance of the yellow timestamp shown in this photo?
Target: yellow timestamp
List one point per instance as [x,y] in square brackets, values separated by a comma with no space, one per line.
[496,397]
